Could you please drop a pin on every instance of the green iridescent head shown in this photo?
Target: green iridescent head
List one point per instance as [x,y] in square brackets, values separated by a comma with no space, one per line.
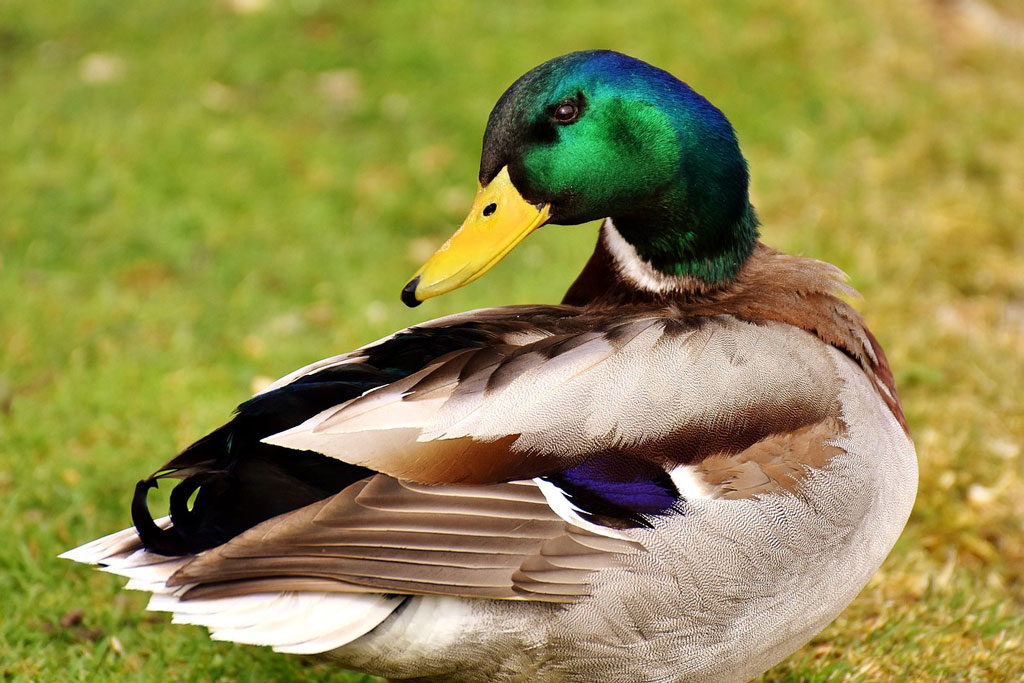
[598,134]
[642,148]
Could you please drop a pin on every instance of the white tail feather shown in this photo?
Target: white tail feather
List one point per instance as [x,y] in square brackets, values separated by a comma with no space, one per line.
[295,622]
[118,544]
[300,623]
[362,621]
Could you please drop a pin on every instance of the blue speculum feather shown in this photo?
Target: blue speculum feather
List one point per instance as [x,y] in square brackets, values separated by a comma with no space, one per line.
[611,487]
[635,492]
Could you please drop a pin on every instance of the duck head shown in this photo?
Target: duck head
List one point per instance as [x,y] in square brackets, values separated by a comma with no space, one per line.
[598,134]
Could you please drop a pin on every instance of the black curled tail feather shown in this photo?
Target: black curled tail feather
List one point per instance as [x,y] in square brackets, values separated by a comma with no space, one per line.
[155,539]
[235,481]
[263,482]
[187,532]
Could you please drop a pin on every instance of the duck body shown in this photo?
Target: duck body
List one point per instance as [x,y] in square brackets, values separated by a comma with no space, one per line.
[681,473]
[769,544]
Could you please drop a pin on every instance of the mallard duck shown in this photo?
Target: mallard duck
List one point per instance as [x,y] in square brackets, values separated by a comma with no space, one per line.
[682,472]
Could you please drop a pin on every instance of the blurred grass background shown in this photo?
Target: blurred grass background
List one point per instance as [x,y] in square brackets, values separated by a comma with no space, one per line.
[196,196]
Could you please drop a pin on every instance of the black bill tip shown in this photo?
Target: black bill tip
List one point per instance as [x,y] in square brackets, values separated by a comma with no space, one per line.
[409,293]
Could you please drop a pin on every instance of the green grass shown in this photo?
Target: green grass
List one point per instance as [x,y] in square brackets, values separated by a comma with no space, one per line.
[193,198]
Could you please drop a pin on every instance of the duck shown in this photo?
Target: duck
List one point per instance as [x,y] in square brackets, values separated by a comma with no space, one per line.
[682,472]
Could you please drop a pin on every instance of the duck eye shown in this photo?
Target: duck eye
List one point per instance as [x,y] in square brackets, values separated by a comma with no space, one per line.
[567,112]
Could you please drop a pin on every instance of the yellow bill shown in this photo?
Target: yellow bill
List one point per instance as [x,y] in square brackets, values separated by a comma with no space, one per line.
[499,220]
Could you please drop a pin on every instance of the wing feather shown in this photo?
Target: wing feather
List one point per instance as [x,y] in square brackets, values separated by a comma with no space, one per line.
[501,541]
[593,383]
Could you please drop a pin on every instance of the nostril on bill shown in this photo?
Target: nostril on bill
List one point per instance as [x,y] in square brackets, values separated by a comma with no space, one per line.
[490,208]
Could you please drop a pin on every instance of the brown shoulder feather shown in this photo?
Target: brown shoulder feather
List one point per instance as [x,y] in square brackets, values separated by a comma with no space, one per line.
[771,286]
